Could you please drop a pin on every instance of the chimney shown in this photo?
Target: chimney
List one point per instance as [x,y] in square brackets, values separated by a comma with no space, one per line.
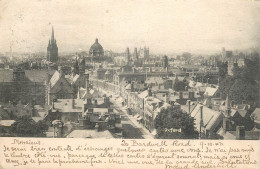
[160,104]
[53,104]
[72,103]
[150,69]
[48,78]
[189,105]
[232,103]
[87,82]
[226,124]
[132,87]
[60,130]
[243,102]
[84,108]
[240,132]
[88,101]
[110,110]
[181,95]
[201,120]
[167,99]
[149,92]
[95,102]
[97,127]
[186,88]
[60,71]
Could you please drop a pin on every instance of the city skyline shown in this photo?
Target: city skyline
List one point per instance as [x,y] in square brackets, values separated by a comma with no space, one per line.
[166,27]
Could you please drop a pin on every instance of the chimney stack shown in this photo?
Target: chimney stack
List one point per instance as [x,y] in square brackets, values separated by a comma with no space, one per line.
[181,95]
[149,92]
[167,99]
[97,127]
[240,132]
[132,87]
[72,103]
[53,104]
[87,82]
[189,105]
[226,124]
[60,71]
[201,120]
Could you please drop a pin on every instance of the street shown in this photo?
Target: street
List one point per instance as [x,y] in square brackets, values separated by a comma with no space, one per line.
[132,129]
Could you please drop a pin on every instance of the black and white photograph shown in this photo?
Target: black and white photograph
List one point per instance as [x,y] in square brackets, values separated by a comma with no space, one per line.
[115,69]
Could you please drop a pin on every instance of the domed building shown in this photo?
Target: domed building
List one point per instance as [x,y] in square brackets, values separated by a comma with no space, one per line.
[96,49]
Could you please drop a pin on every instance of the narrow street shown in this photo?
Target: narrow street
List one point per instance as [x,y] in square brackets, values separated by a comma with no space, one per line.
[132,129]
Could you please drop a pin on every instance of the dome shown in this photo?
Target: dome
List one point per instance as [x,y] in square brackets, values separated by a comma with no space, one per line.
[96,49]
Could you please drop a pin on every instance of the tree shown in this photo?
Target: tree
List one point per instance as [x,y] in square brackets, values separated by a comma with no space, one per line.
[25,127]
[243,84]
[174,118]
[223,69]
[180,85]
[243,90]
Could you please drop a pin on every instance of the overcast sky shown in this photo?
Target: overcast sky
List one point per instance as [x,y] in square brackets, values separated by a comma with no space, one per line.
[166,27]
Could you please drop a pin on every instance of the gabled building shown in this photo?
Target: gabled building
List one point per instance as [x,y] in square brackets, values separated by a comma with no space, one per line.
[256,117]
[58,87]
[207,121]
[23,85]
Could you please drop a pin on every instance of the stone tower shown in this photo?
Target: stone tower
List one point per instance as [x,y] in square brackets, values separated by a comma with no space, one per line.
[52,49]
[128,56]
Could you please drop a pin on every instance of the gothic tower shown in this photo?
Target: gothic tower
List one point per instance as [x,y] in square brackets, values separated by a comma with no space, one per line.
[135,57]
[76,67]
[127,56]
[52,49]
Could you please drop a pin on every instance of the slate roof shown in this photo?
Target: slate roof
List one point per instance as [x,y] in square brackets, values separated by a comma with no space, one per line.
[211,118]
[6,123]
[54,79]
[143,95]
[4,114]
[256,115]
[231,135]
[210,91]
[65,105]
[37,75]
[186,107]
[128,87]
[75,78]
[6,75]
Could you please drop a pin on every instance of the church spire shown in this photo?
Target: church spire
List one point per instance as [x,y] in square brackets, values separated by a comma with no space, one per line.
[52,35]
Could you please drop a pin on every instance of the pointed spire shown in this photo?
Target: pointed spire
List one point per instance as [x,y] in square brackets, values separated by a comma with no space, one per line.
[227,103]
[52,35]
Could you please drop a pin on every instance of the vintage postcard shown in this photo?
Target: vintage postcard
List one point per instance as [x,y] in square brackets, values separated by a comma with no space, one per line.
[129,84]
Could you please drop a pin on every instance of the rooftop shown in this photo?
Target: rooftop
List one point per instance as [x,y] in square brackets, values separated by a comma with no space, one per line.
[211,118]
[6,75]
[6,123]
[66,105]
